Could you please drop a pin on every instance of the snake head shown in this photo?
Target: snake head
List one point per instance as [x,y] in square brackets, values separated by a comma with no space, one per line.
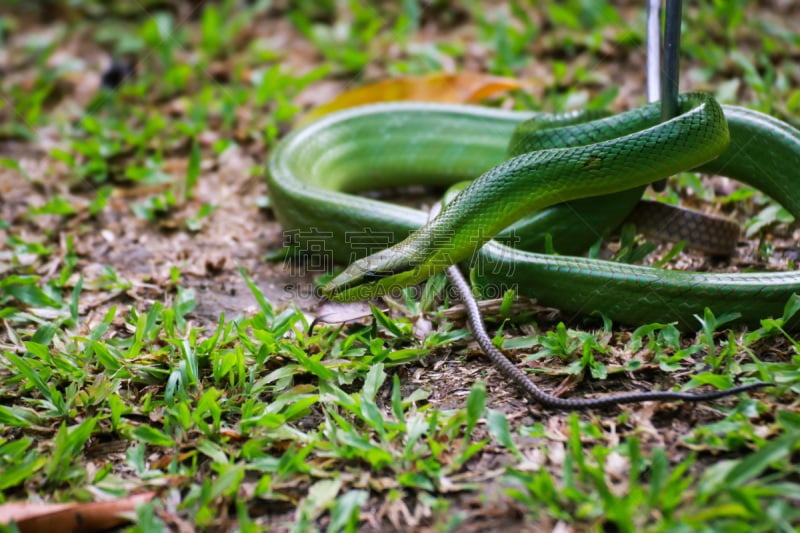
[376,275]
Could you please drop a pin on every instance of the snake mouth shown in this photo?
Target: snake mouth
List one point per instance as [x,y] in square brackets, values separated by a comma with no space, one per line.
[376,275]
[371,276]
[354,284]
[348,282]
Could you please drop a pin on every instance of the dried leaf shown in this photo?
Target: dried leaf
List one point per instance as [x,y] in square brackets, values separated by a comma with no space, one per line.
[337,313]
[462,88]
[71,517]
[163,462]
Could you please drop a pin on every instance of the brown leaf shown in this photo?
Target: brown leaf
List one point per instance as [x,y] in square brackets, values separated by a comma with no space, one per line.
[230,433]
[462,88]
[71,517]
[163,462]
[337,313]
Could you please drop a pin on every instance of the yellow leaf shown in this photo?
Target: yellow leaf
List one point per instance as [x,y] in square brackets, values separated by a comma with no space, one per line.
[462,88]
[69,517]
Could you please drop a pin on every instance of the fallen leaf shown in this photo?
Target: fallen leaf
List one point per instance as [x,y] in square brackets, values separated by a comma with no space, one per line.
[163,462]
[462,88]
[337,313]
[422,327]
[71,517]
[230,433]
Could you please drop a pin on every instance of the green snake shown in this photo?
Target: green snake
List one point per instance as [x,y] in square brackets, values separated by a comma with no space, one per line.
[599,166]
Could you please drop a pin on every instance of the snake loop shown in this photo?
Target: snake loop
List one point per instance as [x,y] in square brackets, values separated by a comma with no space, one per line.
[314,170]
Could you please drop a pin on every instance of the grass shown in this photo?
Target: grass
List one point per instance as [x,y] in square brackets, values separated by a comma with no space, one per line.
[117,375]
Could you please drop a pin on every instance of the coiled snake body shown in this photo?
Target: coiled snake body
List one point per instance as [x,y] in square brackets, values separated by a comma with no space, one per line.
[314,170]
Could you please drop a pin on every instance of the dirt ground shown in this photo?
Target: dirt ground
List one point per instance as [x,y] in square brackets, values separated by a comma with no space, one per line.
[241,232]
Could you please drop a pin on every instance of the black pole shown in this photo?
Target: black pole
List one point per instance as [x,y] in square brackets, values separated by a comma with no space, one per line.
[670,74]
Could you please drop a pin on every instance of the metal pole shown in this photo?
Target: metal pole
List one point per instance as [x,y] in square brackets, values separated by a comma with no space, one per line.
[653,50]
